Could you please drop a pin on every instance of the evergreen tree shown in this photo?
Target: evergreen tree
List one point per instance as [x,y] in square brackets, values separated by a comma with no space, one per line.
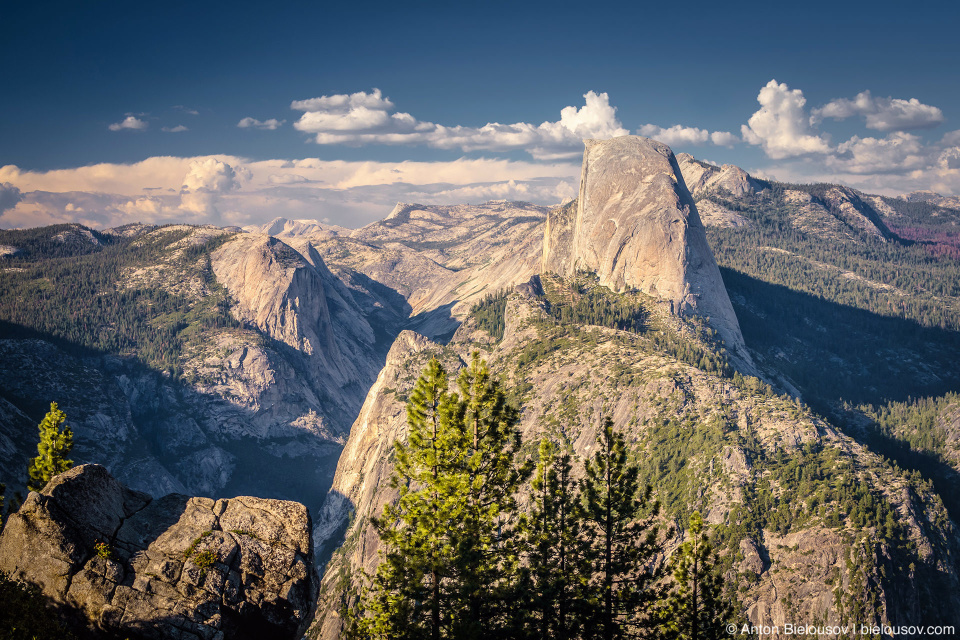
[450,558]
[554,577]
[620,526]
[696,609]
[488,555]
[410,594]
[54,447]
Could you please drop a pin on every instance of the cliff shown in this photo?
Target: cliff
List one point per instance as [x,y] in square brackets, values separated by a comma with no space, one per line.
[637,227]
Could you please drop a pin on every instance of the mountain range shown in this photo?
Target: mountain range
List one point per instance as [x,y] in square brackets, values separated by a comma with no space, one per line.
[779,338]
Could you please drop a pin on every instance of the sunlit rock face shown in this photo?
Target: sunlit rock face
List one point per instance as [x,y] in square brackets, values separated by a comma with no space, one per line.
[637,227]
[126,565]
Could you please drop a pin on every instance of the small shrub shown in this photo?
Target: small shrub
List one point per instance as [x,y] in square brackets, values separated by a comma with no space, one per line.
[205,560]
[105,551]
[193,545]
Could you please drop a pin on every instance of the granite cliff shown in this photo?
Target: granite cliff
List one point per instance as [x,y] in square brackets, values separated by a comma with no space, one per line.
[731,448]
[637,226]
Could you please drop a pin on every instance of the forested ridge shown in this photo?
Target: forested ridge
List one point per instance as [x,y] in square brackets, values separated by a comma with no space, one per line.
[76,293]
[893,278]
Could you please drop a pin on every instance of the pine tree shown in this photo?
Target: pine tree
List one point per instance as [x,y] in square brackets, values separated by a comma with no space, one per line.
[54,447]
[488,556]
[554,576]
[410,595]
[696,609]
[450,562]
[620,525]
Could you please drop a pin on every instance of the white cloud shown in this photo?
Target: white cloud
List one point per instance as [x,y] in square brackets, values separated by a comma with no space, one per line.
[724,138]
[882,114]
[781,125]
[233,190]
[253,123]
[675,135]
[949,160]
[678,135]
[9,196]
[367,118]
[344,102]
[192,112]
[897,153]
[177,129]
[206,180]
[286,178]
[132,123]
[951,139]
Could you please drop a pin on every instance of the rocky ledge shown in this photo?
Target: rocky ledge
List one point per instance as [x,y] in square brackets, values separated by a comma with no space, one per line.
[122,564]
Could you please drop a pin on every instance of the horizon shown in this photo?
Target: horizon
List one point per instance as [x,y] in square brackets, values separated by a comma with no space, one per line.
[188,113]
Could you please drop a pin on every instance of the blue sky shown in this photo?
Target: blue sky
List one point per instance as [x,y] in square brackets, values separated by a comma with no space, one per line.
[115,112]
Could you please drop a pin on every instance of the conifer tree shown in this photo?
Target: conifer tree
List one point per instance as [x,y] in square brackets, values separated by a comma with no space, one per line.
[696,609]
[410,595]
[450,556]
[554,575]
[54,447]
[620,525]
[488,556]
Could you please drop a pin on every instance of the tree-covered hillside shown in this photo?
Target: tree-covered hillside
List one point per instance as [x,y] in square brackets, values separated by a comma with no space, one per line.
[86,294]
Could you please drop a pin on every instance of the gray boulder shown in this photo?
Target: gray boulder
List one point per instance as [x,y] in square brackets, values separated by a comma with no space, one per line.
[174,567]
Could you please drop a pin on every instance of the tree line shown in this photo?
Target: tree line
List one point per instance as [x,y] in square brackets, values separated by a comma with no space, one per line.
[583,560]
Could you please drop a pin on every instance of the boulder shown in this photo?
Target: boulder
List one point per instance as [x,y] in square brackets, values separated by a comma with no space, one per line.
[174,567]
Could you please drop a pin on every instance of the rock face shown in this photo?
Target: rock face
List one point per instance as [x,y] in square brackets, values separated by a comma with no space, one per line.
[636,226]
[702,177]
[262,408]
[665,409]
[174,567]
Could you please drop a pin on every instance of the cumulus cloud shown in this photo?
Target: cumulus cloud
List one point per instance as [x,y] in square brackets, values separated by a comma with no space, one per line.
[131,123]
[187,110]
[675,135]
[680,135]
[781,126]
[897,153]
[882,114]
[206,180]
[233,190]
[177,129]
[724,138]
[9,196]
[253,123]
[369,118]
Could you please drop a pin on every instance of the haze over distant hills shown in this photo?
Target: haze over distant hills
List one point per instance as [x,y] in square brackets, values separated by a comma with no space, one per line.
[773,329]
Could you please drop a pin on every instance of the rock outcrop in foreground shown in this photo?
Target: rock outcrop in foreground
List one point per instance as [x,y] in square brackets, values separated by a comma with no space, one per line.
[174,567]
[637,227]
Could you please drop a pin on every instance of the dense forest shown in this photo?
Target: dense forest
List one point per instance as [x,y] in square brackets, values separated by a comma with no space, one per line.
[63,286]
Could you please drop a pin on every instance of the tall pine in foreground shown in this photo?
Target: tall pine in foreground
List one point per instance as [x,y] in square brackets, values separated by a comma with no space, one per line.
[54,447]
[450,561]
[488,555]
[410,595]
[620,525]
[696,609]
[554,577]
